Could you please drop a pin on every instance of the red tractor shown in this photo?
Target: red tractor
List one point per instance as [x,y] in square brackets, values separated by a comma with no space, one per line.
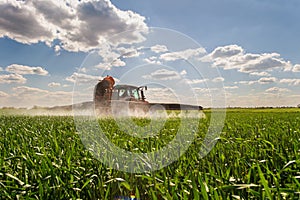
[108,97]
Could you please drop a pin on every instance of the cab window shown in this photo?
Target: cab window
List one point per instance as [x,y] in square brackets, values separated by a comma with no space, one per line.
[135,94]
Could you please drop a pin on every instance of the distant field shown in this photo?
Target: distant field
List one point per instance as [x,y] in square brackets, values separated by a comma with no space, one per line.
[34,112]
[257,156]
[268,110]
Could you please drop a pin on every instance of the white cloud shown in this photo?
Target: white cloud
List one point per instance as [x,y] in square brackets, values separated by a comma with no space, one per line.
[163,74]
[22,69]
[159,48]
[19,22]
[185,54]
[3,94]
[210,96]
[234,57]
[231,87]
[57,49]
[106,66]
[290,81]
[30,96]
[183,72]
[196,81]
[12,78]
[262,62]
[277,90]
[227,51]
[204,90]
[264,80]
[153,60]
[260,74]
[24,91]
[59,95]
[156,95]
[267,80]
[113,56]
[296,68]
[109,57]
[79,26]
[218,79]
[83,78]
[129,52]
[54,84]
[83,70]
[118,63]
[246,82]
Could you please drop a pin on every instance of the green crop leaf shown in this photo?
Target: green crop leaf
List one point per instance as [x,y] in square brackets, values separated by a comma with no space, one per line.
[264,182]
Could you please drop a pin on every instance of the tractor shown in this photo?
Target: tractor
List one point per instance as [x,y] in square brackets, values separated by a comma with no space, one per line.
[110,98]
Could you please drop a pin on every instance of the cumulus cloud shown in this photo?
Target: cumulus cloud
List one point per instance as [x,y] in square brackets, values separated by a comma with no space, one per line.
[129,52]
[267,80]
[30,96]
[204,90]
[209,93]
[196,81]
[111,58]
[159,48]
[218,79]
[153,60]
[277,90]
[163,74]
[185,54]
[3,94]
[57,49]
[22,69]
[263,80]
[19,22]
[83,78]
[118,63]
[183,73]
[157,95]
[262,62]
[260,74]
[296,68]
[227,51]
[24,91]
[83,70]
[234,57]
[59,95]
[290,81]
[54,84]
[12,78]
[79,26]
[246,82]
[231,87]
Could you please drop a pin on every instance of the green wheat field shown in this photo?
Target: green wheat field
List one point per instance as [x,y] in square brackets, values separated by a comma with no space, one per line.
[257,156]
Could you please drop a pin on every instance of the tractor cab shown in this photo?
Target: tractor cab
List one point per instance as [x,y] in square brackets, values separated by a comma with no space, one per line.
[128,93]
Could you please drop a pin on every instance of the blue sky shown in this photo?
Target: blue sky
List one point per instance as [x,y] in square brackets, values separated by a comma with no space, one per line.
[254,44]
